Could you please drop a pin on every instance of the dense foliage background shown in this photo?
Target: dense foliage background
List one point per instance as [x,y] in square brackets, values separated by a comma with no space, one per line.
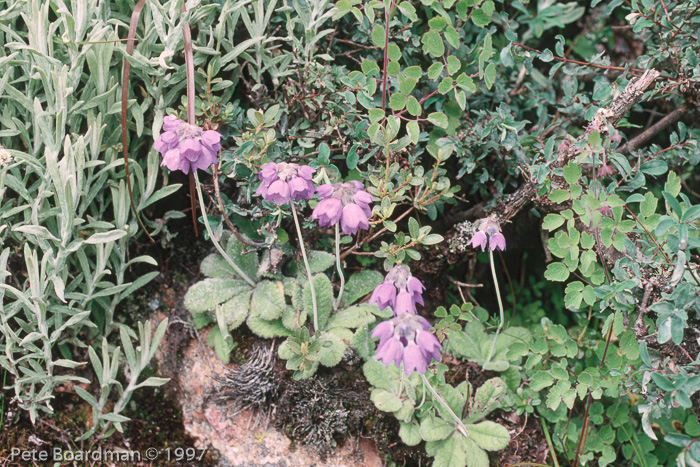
[571,125]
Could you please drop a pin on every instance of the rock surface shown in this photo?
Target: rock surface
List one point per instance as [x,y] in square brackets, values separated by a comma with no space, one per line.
[236,438]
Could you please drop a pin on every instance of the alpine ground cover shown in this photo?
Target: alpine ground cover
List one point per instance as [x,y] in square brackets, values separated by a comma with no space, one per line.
[486,209]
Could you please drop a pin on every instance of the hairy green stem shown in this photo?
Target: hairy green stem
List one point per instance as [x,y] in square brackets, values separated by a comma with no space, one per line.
[438,397]
[500,304]
[216,243]
[338,266]
[306,263]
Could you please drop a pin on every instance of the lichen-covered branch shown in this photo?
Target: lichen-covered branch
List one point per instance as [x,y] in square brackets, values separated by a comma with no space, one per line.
[509,205]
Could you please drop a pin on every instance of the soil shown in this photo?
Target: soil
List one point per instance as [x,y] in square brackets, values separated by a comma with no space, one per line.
[528,443]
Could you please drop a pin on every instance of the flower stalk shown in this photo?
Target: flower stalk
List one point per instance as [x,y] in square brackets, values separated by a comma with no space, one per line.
[306,264]
[339,267]
[216,243]
[500,304]
[458,421]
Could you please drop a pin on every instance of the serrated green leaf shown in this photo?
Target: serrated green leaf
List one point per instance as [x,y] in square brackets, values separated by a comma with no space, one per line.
[413,72]
[205,295]
[324,298]
[490,75]
[452,36]
[557,272]
[552,222]
[407,85]
[290,319]
[235,311]
[414,108]
[541,380]
[352,317]
[385,401]
[268,300]
[435,429]
[410,434]
[242,255]
[559,196]
[319,261]
[489,435]
[267,329]
[451,453]
[397,101]
[377,374]
[572,173]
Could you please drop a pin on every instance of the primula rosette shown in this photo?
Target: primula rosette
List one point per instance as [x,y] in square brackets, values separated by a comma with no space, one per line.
[489,234]
[407,338]
[346,203]
[284,182]
[400,291]
[184,146]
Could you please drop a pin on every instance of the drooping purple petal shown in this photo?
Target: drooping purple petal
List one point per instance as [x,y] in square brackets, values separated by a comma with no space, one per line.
[306,172]
[268,173]
[404,303]
[362,197]
[171,122]
[206,159]
[297,188]
[278,192]
[384,295]
[191,149]
[383,330]
[479,240]
[414,360]
[185,147]
[427,341]
[390,351]
[497,242]
[325,190]
[353,219]
[159,145]
[173,160]
[211,139]
[327,212]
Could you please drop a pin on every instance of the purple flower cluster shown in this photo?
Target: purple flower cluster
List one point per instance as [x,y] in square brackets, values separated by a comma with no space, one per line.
[347,203]
[489,233]
[284,182]
[400,291]
[186,147]
[407,338]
